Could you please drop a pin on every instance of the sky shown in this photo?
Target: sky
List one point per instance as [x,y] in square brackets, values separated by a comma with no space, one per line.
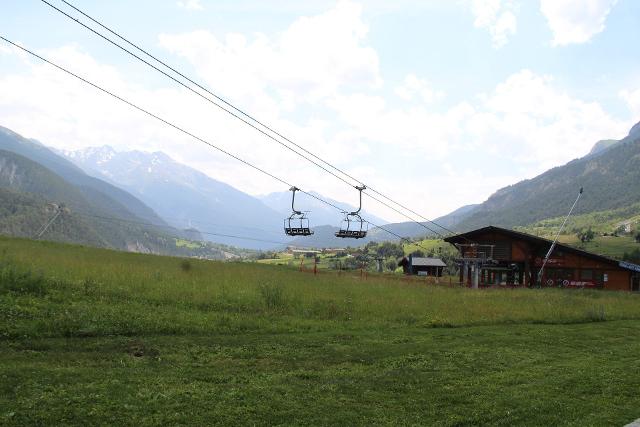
[436,104]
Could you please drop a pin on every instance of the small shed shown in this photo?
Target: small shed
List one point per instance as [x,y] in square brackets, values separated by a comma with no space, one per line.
[423,266]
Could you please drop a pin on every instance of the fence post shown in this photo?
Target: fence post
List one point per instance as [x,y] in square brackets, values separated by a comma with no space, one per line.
[315,265]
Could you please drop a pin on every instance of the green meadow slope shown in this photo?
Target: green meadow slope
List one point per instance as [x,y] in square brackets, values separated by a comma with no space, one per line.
[97,337]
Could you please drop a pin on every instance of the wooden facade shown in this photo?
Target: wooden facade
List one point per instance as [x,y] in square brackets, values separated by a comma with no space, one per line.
[494,256]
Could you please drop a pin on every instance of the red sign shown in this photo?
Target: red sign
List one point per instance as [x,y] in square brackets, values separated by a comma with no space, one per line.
[577,284]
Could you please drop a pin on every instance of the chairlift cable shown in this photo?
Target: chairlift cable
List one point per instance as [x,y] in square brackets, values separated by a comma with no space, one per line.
[176,127]
[213,224]
[250,117]
[187,87]
[208,233]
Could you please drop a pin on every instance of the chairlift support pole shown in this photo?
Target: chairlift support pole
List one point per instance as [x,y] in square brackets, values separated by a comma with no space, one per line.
[555,240]
[44,229]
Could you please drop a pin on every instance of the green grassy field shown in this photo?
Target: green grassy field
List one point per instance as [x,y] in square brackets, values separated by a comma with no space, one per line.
[427,245]
[95,337]
[610,246]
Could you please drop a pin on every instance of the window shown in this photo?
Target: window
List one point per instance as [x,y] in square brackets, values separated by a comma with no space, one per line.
[586,274]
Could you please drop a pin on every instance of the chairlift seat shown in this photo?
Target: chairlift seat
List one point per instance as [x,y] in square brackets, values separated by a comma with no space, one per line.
[297,224]
[353,234]
[302,230]
[352,227]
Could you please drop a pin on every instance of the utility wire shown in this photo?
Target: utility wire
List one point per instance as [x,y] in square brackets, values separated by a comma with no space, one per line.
[243,113]
[208,233]
[189,223]
[180,129]
[176,127]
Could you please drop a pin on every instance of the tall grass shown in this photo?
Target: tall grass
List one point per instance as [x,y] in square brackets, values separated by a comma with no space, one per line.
[92,291]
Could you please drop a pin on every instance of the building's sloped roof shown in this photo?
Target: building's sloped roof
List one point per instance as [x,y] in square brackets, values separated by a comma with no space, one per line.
[468,238]
[427,262]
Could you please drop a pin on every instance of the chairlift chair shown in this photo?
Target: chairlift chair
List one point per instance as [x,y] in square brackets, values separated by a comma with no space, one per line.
[353,226]
[297,224]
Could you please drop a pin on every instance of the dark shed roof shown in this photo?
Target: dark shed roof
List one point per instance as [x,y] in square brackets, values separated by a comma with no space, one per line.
[466,237]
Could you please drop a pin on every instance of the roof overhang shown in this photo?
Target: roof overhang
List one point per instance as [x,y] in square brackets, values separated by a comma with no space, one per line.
[467,238]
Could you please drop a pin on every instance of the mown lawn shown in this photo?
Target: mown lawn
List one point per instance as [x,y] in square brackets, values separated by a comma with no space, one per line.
[94,337]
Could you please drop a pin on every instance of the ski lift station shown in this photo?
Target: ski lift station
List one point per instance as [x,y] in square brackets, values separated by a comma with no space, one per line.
[493,256]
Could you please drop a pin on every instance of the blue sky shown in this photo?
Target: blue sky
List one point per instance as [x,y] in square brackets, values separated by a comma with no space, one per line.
[438,103]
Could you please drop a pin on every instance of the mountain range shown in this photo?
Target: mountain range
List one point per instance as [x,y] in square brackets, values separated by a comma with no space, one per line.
[36,183]
[610,175]
[185,197]
[152,188]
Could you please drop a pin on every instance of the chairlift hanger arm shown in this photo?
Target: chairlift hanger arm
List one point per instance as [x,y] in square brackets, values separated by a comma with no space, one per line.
[360,188]
[293,199]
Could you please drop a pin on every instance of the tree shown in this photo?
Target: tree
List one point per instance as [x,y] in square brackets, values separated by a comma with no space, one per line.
[634,256]
[392,265]
[586,236]
[389,250]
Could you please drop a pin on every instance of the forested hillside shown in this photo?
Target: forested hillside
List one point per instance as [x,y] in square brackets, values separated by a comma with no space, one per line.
[88,212]
[102,195]
[610,177]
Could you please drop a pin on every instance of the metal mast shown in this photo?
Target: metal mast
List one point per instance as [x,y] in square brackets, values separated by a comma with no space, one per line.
[555,240]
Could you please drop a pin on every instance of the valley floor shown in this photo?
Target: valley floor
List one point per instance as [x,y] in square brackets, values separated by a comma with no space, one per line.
[93,337]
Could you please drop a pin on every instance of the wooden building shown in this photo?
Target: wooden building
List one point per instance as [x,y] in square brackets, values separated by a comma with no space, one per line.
[494,256]
[422,266]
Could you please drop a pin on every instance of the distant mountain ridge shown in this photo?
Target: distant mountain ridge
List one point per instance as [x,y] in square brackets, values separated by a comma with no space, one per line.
[109,197]
[140,184]
[33,194]
[610,177]
[180,194]
[185,197]
[36,183]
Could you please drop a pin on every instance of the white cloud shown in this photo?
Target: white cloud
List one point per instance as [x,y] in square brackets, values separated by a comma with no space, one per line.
[497,16]
[575,21]
[432,156]
[311,60]
[632,98]
[191,4]
[550,126]
[525,126]
[413,87]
